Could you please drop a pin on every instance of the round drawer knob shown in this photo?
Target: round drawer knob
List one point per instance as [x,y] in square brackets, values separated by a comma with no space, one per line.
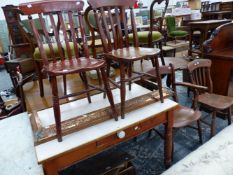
[121,134]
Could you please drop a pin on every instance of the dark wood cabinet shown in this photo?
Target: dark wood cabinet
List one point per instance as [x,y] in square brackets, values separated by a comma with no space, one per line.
[220,50]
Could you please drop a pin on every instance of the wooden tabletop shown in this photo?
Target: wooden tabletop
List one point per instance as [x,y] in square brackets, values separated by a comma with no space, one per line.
[211,21]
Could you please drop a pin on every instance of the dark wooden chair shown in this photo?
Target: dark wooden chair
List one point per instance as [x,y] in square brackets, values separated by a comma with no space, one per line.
[183,116]
[22,44]
[199,71]
[19,105]
[69,62]
[111,19]
[21,40]
[155,34]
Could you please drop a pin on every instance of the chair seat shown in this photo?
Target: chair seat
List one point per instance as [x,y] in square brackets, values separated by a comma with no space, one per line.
[132,53]
[143,36]
[72,66]
[184,116]
[178,33]
[215,101]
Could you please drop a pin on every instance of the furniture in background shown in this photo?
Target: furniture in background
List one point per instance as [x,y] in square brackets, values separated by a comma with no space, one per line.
[69,63]
[171,29]
[154,36]
[25,65]
[121,51]
[95,43]
[22,41]
[217,10]
[183,116]
[22,45]
[204,27]
[219,49]
[199,71]
[15,106]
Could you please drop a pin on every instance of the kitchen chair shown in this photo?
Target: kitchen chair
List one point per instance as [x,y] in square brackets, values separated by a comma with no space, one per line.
[199,71]
[183,116]
[110,17]
[69,62]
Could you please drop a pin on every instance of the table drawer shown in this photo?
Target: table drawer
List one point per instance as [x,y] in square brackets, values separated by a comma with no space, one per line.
[119,136]
[153,122]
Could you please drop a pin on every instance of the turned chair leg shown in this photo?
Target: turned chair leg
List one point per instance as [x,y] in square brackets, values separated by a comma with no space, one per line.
[158,78]
[229,116]
[199,131]
[64,85]
[40,78]
[99,77]
[84,78]
[56,108]
[213,128]
[130,74]
[122,88]
[161,53]
[108,67]
[109,93]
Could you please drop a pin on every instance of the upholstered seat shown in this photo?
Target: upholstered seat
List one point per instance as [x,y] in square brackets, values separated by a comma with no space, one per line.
[143,37]
[178,33]
[171,28]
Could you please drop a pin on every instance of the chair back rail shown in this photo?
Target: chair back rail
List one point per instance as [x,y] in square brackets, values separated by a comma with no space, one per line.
[59,16]
[199,71]
[111,18]
[156,21]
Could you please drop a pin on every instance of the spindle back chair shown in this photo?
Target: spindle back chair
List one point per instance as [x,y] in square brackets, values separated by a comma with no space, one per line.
[111,18]
[68,42]
[199,71]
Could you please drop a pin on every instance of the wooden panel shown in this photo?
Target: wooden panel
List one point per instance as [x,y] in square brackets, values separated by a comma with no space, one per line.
[73,156]
[226,6]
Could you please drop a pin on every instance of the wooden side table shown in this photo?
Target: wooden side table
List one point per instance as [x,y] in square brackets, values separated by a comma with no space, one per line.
[204,27]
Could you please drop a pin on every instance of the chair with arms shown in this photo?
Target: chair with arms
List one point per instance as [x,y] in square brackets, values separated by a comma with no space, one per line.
[110,17]
[199,71]
[183,116]
[68,63]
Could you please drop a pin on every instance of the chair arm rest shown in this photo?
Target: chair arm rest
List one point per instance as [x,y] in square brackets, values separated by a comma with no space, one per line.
[193,86]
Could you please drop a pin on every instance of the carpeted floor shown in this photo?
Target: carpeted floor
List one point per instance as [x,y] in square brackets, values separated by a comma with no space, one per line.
[148,151]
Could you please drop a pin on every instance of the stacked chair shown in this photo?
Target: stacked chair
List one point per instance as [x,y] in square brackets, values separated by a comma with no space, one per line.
[75,58]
